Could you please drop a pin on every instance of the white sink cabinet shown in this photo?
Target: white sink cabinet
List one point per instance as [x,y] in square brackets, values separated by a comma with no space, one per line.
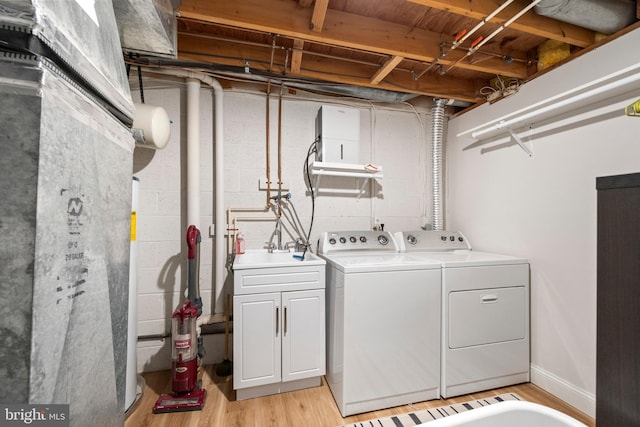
[279,337]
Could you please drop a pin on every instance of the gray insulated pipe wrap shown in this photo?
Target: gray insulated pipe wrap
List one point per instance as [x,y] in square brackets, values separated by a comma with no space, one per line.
[437,148]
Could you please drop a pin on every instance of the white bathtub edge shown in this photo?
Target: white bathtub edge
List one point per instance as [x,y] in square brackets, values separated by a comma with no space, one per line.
[574,396]
[502,414]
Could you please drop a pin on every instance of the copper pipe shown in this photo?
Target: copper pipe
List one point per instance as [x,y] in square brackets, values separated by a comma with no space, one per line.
[280,149]
[268,153]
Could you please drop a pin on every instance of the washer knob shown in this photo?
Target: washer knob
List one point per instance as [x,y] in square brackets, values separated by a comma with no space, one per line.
[353,239]
[383,240]
[363,239]
[332,241]
[443,238]
[412,239]
[343,240]
[452,238]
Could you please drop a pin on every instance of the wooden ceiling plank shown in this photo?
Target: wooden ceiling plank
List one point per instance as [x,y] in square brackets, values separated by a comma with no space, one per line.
[319,14]
[331,70]
[530,23]
[341,29]
[386,68]
[296,56]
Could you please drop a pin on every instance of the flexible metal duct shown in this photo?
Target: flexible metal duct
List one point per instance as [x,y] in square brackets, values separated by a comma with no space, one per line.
[437,148]
[605,16]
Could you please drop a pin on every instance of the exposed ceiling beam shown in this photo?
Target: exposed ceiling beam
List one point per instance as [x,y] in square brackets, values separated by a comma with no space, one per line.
[296,56]
[332,70]
[386,68]
[530,23]
[341,29]
[319,13]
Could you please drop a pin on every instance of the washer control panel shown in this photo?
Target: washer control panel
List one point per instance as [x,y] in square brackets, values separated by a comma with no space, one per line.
[431,241]
[341,241]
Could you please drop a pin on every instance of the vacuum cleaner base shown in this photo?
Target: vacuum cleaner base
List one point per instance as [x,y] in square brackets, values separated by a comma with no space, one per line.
[193,401]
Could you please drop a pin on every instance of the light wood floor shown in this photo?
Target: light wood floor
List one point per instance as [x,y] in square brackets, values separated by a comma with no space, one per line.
[308,408]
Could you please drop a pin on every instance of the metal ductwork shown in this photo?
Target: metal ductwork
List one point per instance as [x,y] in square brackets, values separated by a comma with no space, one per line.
[604,16]
[148,27]
[437,149]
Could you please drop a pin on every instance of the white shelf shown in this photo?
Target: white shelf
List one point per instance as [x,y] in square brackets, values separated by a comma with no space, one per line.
[366,172]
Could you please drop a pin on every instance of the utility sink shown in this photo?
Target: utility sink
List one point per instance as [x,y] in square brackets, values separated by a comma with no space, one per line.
[262,258]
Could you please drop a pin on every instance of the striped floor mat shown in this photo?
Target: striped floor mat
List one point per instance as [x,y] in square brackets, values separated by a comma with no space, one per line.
[425,415]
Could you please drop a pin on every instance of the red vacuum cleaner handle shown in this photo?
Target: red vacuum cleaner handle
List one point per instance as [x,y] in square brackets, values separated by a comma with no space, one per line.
[193,237]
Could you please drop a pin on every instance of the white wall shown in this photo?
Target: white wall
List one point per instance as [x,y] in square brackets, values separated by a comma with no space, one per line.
[390,137]
[544,207]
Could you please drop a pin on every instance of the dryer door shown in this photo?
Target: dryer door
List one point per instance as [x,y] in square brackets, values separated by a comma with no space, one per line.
[486,316]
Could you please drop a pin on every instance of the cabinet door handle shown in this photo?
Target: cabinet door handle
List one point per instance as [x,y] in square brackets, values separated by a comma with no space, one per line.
[277,320]
[285,320]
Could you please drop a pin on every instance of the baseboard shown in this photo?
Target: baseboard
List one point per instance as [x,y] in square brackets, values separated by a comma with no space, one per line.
[578,398]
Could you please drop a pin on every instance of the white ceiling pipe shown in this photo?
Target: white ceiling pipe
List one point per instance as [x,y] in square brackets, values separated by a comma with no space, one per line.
[219,254]
[481,24]
[193,152]
[474,47]
[506,24]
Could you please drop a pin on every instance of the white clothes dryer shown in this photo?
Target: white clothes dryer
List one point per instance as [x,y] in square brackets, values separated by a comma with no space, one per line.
[383,322]
[485,312]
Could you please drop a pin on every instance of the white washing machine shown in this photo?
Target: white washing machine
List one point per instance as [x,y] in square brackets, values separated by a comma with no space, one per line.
[383,322]
[485,312]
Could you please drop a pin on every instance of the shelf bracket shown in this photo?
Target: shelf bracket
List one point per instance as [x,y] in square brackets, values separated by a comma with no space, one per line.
[525,146]
[364,184]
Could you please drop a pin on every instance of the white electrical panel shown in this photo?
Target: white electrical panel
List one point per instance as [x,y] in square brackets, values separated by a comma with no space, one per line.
[338,134]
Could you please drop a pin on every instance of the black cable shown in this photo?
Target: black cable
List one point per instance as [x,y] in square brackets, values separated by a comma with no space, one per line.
[313,148]
[140,82]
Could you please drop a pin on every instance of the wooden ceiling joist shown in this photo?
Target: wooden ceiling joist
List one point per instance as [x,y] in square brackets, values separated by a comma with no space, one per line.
[386,68]
[296,56]
[341,29]
[320,68]
[319,13]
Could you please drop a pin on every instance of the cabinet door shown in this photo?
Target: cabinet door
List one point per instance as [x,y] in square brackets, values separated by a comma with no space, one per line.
[256,340]
[303,334]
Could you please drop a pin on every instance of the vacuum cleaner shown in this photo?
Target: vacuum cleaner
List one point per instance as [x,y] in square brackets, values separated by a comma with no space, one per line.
[186,347]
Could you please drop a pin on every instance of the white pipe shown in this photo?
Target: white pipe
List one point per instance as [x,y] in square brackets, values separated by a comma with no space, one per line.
[506,24]
[132,331]
[480,24]
[475,48]
[219,254]
[193,152]
[540,110]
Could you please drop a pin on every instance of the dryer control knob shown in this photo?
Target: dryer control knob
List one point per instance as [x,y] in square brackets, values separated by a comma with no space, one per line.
[412,239]
[343,240]
[363,239]
[332,241]
[353,239]
[383,239]
[443,238]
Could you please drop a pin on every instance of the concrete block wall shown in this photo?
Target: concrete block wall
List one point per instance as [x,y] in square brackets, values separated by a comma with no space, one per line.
[394,137]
